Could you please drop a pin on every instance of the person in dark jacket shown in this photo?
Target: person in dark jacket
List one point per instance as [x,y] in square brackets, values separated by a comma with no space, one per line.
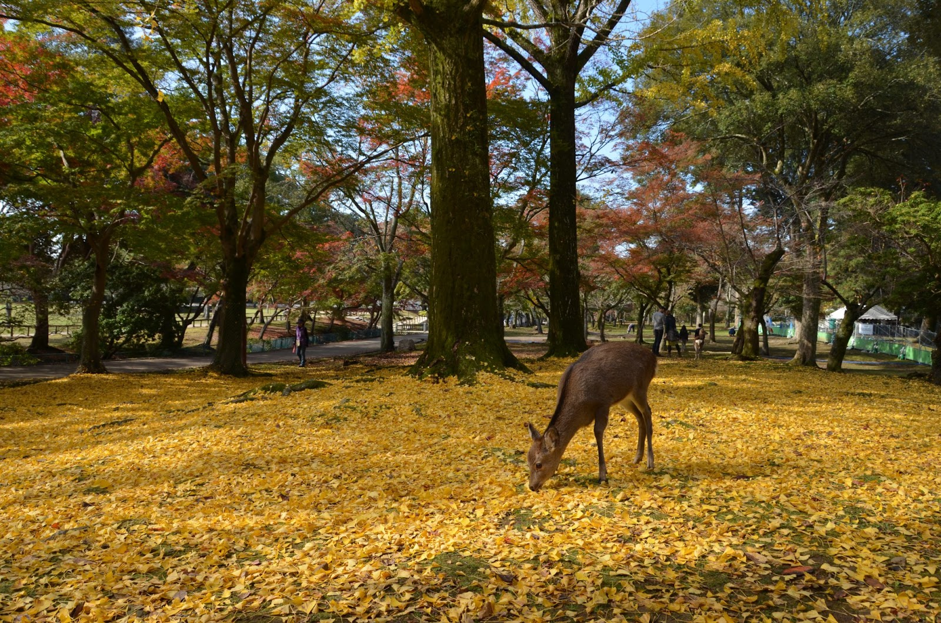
[684,338]
[301,342]
[670,334]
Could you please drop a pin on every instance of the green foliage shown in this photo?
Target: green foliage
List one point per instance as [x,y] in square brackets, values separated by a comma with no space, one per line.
[803,93]
[140,305]
[13,354]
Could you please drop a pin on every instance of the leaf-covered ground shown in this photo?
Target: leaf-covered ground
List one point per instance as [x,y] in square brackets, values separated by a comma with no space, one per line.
[779,494]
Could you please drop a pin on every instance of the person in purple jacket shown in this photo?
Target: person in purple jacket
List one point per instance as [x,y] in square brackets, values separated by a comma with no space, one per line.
[301,341]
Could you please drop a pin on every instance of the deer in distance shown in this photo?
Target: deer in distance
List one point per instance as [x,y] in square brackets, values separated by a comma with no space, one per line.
[605,375]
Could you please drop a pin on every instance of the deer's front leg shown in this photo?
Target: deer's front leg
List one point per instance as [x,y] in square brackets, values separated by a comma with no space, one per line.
[601,422]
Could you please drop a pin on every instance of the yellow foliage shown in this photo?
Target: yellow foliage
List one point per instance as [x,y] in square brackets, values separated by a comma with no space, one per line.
[780,494]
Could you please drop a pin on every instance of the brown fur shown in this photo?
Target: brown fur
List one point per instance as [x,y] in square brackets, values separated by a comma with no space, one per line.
[605,375]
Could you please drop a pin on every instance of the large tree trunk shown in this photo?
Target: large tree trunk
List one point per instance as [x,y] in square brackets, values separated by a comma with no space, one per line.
[230,357]
[40,341]
[464,333]
[812,234]
[843,334]
[806,354]
[752,306]
[566,325]
[90,357]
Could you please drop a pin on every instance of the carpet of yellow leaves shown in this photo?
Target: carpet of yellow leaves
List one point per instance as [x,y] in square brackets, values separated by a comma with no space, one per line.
[779,494]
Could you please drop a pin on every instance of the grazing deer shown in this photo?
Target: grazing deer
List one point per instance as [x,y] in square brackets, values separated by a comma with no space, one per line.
[607,374]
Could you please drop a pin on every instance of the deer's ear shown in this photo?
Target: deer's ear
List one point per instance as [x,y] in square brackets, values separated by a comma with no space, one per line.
[551,439]
[533,433]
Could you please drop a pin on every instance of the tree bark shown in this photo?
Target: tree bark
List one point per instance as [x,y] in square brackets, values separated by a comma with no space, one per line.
[566,323]
[230,357]
[713,312]
[935,375]
[216,315]
[765,346]
[843,334]
[90,357]
[641,315]
[40,341]
[812,234]
[464,332]
[387,341]
[806,354]
[752,306]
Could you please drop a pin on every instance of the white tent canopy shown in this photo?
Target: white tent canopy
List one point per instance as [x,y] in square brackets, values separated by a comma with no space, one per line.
[877,313]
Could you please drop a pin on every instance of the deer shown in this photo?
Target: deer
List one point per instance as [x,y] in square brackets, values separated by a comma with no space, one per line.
[613,373]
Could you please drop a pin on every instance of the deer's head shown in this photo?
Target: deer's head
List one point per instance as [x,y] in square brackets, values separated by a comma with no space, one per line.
[544,456]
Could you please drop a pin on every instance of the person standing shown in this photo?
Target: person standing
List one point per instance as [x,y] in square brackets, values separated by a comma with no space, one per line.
[669,332]
[658,330]
[684,338]
[302,339]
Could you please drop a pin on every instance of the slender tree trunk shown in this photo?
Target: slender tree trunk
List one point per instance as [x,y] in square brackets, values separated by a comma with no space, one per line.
[765,346]
[184,327]
[641,315]
[566,324]
[90,357]
[842,337]
[40,340]
[230,358]
[464,333]
[387,342]
[935,375]
[714,312]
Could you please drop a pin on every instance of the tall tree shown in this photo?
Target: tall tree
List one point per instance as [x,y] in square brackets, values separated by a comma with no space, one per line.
[810,96]
[464,324]
[863,264]
[256,76]
[77,153]
[915,225]
[552,46]
[741,240]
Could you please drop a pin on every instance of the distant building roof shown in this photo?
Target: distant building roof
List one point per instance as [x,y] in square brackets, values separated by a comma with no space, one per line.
[876,313]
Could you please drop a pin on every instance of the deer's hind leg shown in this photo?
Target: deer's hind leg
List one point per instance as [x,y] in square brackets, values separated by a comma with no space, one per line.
[601,422]
[641,409]
[641,428]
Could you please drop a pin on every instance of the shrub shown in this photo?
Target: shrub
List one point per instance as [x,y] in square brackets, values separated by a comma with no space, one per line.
[13,354]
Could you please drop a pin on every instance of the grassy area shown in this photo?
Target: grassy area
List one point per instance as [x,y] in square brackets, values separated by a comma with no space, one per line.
[779,494]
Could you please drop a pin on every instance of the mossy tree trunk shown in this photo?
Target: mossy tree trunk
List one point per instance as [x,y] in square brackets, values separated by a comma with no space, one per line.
[752,306]
[464,334]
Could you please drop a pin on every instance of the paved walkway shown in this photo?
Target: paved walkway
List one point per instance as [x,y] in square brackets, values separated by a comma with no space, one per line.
[349,348]
[139,366]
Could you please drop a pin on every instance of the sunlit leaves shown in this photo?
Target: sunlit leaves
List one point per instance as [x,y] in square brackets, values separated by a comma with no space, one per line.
[779,495]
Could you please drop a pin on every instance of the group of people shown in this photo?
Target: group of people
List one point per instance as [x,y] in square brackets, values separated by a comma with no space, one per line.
[666,333]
